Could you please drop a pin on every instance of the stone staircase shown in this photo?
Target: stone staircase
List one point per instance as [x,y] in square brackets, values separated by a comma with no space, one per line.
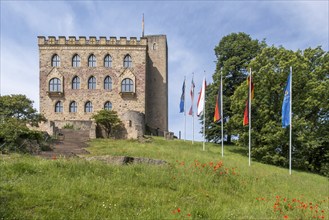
[70,143]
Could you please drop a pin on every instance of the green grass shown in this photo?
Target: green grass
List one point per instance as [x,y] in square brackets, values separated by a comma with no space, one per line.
[188,187]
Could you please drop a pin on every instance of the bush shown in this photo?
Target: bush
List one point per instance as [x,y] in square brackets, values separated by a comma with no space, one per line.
[68,126]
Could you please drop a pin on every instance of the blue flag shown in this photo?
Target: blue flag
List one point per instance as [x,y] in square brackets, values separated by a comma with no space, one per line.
[182,99]
[286,104]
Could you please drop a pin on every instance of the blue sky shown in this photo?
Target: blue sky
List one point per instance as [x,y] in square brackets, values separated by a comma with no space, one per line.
[193,30]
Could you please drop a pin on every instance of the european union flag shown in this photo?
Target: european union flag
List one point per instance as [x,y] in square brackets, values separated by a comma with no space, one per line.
[286,114]
[182,99]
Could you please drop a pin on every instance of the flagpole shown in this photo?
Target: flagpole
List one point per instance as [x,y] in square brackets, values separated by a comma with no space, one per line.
[192,111]
[143,26]
[249,117]
[221,110]
[185,109]
[290,119]
[204,112]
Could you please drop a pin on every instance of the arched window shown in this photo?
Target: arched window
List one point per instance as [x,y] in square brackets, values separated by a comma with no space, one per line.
[73,106]
[55,85]
[76,83]
[88,107]
[154,46]
[127,85]
[108,106]
[127,62]
[92,61]
[108,83]
[59,106]
[55,61]
[92,83]
[76,61]
[108,61]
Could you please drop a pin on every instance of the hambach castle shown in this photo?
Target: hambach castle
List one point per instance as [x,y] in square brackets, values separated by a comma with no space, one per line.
[80,76]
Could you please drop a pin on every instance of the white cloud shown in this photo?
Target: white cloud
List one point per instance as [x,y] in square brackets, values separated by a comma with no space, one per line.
[19,70]
[49,19]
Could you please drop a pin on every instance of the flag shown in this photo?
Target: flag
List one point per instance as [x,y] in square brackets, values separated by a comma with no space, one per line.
[246,109]
[217,115]
[246,114]
[286,104]
[182,99]
[201,99]
[192,98]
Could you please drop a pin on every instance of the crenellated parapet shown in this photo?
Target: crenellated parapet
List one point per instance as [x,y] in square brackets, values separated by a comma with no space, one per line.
[72,40]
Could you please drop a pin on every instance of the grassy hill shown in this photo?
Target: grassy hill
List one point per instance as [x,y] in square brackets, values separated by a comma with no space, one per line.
[195,184]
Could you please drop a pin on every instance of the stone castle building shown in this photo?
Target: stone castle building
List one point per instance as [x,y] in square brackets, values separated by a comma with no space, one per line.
[80,76]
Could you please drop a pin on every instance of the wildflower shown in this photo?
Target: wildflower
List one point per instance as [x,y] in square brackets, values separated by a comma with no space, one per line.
[285,217]
[189,214]
[178,210]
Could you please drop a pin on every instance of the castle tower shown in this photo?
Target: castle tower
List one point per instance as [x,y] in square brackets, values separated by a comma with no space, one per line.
[157,83]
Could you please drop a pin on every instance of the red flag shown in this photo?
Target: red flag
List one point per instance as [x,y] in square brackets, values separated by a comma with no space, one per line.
[217,115]
[192,98]
[246,109]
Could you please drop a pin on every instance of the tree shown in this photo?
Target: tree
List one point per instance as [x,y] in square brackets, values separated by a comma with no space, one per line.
[270,142]
[108,120]
[16,111]
[19,107]
[234,53]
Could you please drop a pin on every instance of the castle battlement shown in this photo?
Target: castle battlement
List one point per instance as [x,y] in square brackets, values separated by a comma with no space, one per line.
[82,40]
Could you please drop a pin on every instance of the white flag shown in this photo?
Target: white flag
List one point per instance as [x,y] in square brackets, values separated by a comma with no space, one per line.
[201,99]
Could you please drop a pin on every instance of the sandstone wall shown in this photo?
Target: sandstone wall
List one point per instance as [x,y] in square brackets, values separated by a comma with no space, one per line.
[157,83]
[65,72]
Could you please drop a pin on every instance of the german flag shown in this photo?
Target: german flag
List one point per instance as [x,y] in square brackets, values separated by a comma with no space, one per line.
[246,109]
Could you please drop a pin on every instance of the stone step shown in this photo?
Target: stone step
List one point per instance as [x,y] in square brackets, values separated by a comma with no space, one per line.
[69,145]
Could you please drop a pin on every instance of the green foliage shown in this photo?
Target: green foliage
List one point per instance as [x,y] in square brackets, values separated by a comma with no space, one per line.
[234,53]
[108,120]
[20,107]
[68,126]
[16,111]
[270,67]
[195,184]
[270,142]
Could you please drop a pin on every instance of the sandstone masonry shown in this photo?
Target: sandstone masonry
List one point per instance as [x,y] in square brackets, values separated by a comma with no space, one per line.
[79,77]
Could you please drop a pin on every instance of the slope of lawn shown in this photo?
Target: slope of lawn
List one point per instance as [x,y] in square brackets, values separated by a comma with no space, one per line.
[195,184]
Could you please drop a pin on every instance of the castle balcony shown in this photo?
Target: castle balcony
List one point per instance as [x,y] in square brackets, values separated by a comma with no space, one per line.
[128,94]
[55,94]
